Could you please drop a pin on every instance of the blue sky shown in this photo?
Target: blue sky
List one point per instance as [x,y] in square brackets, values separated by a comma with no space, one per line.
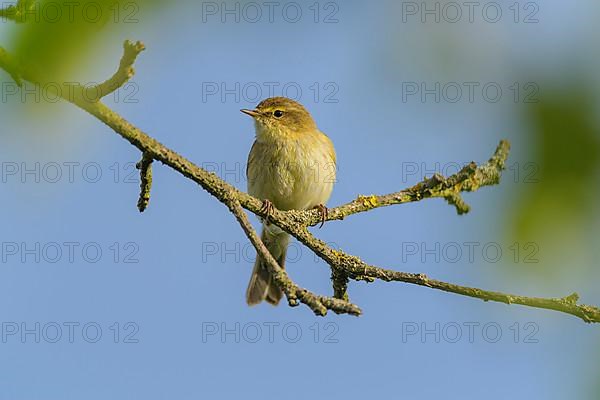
[166,288]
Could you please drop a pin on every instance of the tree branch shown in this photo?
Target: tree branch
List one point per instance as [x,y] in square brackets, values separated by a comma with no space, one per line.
[469,179]
[319,304]
[344,266]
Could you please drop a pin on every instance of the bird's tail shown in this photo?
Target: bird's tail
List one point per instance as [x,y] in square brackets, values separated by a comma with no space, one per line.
[261,286]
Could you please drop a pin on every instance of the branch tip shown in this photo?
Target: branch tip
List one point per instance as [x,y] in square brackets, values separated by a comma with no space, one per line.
[145,167]
[340,280]
[124,73]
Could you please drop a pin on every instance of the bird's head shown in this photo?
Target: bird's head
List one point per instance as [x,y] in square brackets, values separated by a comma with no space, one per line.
[281,116]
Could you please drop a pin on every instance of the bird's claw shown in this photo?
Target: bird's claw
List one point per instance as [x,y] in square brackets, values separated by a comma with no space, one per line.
[324,211]
[267,208]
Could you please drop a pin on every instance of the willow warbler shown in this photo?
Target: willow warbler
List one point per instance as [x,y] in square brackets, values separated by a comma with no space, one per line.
[291,165]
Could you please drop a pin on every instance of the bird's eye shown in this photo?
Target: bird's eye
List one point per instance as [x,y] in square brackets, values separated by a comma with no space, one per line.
[278,113]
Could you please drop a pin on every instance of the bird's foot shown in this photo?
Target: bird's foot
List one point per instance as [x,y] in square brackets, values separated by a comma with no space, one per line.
[324,211]
[267,208]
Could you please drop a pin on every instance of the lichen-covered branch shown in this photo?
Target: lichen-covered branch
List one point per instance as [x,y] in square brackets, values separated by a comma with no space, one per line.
[359,270]
[339,279]
[145,167]
[318,304]
[469,179]
[344,266]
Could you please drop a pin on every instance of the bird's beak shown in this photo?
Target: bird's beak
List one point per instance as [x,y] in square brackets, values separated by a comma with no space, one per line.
[252,113]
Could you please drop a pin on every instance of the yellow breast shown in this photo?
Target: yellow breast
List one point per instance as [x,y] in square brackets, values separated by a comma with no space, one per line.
[294,170]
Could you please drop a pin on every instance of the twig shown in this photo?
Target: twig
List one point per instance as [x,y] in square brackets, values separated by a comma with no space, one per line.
[339,280]
[145,167]
[468,179]
[123,75]
[359,270]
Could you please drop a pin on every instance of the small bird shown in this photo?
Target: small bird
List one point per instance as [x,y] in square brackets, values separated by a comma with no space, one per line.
[291,166]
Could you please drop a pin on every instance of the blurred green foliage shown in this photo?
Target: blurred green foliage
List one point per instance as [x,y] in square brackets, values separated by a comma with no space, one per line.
[58,36]
[557,211]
